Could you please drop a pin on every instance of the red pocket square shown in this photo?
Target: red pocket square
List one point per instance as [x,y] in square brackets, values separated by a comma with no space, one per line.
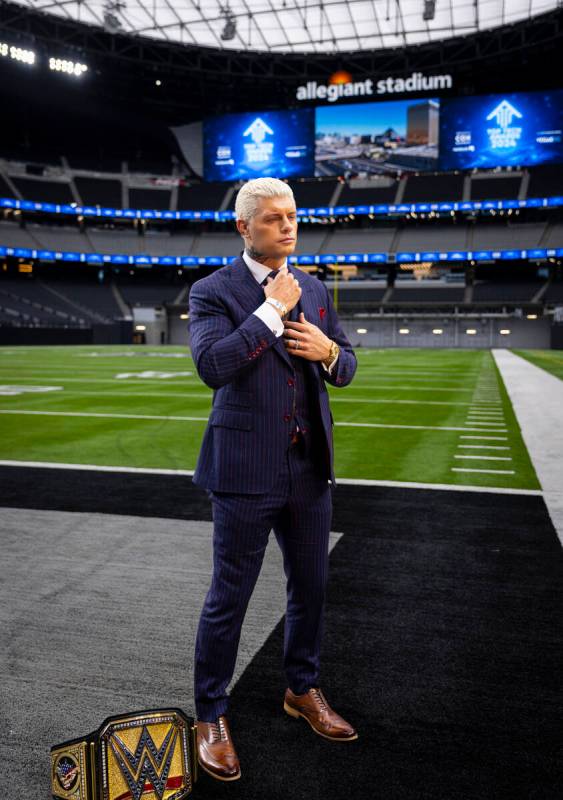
[322,312]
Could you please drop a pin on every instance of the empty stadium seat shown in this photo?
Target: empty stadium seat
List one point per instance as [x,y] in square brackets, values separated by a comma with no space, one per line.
[422,188]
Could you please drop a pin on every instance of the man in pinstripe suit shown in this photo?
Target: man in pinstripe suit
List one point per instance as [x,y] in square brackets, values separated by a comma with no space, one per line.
[266,338]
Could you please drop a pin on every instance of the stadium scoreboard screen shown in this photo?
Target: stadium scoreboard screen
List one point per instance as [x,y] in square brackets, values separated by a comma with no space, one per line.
[253,145]
[418,134]
[501,130]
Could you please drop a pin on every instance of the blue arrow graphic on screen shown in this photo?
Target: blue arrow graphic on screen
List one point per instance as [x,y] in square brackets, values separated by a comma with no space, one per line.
[258,130]
[504,114]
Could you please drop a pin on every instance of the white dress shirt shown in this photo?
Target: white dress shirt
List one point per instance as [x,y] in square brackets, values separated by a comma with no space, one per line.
[266,312]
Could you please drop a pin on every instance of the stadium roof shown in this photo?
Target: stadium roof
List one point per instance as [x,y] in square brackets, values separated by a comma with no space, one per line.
[296,26]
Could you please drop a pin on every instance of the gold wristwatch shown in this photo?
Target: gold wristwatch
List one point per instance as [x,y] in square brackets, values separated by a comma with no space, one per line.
[334,350]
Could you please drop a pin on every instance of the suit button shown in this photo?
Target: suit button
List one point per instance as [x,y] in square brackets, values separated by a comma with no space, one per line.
[290,382]
[286,417]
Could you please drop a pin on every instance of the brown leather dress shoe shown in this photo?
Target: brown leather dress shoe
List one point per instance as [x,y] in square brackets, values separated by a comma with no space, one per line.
[215,750]
[313,707]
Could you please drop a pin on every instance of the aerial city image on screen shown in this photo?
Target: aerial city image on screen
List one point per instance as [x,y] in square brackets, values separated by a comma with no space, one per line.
[374,138]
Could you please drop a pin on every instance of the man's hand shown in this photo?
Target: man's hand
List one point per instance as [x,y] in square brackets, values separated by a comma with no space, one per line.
[306,340]
[284,287]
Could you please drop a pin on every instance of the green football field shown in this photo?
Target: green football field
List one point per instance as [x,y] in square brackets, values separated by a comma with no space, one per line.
[550,360]
[428,416]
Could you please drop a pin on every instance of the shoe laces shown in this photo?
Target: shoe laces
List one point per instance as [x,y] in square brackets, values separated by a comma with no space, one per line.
[318,698]
[218,730]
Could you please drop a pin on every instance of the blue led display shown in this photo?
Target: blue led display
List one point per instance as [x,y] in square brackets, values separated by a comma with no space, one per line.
[501,130]
[261,144]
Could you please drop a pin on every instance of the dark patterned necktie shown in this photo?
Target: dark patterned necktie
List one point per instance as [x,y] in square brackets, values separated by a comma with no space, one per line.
[272,274]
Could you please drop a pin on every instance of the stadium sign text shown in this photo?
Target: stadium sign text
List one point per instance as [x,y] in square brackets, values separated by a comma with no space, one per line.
[332,92]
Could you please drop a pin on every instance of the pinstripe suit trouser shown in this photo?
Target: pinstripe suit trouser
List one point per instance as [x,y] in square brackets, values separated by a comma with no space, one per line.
[299,510]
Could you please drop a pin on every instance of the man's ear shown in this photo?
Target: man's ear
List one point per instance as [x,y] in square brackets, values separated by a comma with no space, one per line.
[242,227]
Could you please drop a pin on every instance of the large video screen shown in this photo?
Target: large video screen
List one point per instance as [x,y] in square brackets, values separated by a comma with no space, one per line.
[261,144]
[501,130]
[372,137]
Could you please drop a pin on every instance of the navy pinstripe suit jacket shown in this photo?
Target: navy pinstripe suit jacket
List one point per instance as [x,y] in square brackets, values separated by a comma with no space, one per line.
[239,357]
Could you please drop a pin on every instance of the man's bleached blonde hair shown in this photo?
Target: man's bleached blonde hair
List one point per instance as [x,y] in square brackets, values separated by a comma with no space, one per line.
[249,195]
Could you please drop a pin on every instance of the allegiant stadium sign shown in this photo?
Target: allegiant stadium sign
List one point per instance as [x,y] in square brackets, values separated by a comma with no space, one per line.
[417,82]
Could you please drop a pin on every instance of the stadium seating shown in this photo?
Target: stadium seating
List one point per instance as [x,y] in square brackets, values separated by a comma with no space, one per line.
[150,198]
[508,235]
[369,195]
[505,291]
[492,188]
[99,191]
[202,197]
[434,237]
[45,191]
[313,193]
[368,240]
[430,294]
[420,188]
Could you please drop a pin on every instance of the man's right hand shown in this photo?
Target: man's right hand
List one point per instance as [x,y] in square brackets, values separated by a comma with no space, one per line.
[284,287]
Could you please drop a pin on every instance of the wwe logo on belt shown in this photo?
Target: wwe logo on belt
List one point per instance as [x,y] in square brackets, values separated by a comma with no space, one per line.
[147,763]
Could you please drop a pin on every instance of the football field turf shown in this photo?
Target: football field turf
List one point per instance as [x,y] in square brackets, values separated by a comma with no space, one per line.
[550,360]
[428,416]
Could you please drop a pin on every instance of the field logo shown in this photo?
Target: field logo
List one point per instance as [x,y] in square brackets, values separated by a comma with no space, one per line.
[504,136]
[258,150]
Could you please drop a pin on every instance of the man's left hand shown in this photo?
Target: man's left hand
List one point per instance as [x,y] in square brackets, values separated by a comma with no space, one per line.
[312,343]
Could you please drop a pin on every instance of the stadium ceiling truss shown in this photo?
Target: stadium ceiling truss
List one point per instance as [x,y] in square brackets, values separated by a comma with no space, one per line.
[295,26]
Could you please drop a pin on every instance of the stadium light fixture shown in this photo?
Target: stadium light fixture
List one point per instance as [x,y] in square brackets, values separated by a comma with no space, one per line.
[17,53]
[531,316]
[230,28]
[361,330]
[429,10]
[504,331]
[69,67]
[111,10]
[437,331]
[404,330]
[471,331]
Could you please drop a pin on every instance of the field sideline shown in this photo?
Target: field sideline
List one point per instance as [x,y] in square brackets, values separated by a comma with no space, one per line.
[431,416]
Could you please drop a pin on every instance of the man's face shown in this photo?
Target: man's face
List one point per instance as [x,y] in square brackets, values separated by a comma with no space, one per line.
[272,231]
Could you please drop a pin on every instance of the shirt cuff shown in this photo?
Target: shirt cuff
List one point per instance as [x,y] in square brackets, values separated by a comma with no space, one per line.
[270,317]
[331,365]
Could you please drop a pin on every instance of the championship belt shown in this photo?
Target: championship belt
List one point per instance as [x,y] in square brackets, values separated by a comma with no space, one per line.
[145,754]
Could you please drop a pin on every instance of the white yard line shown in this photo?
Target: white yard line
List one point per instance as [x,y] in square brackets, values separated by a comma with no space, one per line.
[484,446]
[495,438]
[205,419]
[488,471]
[537,400]
[484,458]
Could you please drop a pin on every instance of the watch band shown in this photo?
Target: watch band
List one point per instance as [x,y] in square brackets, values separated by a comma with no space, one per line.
[277,304]
[334,351]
